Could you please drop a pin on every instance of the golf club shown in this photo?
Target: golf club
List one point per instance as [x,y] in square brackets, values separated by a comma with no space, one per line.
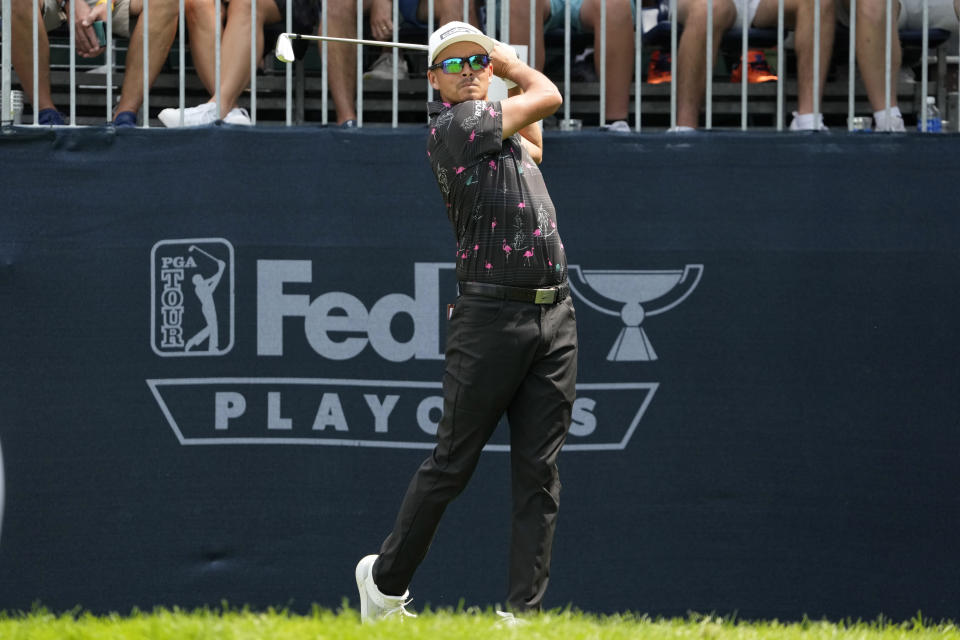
[285,44]
[194,247]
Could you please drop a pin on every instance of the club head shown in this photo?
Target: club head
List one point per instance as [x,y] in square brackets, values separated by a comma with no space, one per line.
[285,48]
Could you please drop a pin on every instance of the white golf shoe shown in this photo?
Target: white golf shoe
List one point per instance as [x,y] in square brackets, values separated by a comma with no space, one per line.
[507,619]
[198,116]
[373,604]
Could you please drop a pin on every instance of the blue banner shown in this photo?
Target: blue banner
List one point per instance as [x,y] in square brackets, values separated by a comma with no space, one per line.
[223,352]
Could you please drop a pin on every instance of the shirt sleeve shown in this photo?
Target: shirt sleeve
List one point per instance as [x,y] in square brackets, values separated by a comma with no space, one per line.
[472,130]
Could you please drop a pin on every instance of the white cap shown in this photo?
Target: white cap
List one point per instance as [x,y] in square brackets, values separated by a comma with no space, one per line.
[453,32]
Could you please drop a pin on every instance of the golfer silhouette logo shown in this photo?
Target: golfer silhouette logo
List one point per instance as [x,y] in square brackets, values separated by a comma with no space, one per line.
[204,288]
[192,311]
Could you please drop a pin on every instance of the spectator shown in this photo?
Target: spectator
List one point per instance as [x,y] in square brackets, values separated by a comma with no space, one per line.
[798,15]
[342,62]
[163,26]
[234,56]
[585,17]
[871,47]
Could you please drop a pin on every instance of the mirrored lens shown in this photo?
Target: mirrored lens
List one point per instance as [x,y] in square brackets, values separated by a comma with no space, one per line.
[452,65]
[478,61]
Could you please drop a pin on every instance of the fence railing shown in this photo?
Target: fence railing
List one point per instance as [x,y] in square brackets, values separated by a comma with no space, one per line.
[497,22]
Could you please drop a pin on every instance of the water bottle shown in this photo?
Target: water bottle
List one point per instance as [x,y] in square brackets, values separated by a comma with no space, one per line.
[934,124]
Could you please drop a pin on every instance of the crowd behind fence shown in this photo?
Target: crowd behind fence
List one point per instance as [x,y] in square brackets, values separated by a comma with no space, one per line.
[672,28]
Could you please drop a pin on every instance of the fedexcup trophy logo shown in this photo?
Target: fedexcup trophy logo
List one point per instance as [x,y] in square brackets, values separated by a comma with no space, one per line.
[192,297]
[638,294]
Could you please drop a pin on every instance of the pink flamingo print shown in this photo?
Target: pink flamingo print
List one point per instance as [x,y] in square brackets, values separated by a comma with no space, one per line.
[537,233]
[460,170]
[473,134]
[488,266]
[492,112]
[493,164]
[506,248]
[493,225]
[528,254]
[522,205]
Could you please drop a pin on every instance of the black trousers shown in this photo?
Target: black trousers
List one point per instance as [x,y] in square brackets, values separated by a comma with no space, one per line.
[501,357]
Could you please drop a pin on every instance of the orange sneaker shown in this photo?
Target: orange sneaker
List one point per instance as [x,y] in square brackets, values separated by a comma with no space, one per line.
[659,69]
[758,71]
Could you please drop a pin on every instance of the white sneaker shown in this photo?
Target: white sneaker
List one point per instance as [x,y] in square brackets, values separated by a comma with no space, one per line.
[619,126]
[198,116]
[804,122]
[382,68]
[373,604]
[893,124]
[239,116]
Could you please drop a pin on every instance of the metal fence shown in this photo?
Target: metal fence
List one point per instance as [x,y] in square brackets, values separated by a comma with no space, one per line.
[498,23]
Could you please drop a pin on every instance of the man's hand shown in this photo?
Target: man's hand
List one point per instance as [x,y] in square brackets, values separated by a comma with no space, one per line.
[87,44]
[381,19]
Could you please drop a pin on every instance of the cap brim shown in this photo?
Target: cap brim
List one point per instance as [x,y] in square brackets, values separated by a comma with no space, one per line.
[478,38]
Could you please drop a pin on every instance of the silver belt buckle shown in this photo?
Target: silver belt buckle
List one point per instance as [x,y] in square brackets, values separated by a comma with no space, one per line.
[545,296]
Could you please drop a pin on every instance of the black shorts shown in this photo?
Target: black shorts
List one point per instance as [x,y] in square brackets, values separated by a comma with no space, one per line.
[306,15]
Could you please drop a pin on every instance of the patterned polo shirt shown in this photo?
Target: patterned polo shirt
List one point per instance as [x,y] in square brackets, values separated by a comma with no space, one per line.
[496,199]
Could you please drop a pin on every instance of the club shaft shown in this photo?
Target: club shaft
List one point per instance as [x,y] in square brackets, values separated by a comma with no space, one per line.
[374,43]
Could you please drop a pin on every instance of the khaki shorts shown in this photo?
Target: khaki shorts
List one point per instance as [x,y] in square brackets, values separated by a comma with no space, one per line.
[54,17]
[943,14]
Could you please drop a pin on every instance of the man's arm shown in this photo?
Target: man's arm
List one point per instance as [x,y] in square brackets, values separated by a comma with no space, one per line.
[531,135]
[537,99]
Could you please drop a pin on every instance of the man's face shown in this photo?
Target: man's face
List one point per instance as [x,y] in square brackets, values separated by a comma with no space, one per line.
[463,86]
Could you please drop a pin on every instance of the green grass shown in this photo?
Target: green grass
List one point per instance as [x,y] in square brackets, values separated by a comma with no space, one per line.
[323,624]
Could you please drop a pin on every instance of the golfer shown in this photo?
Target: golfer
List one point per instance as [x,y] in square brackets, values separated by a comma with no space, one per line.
[512,340]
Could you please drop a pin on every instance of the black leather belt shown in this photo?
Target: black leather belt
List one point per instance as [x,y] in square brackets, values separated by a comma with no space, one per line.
[546,295]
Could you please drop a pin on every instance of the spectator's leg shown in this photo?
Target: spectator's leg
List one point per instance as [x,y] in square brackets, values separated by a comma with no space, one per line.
[799,15]
[691,53]
[342,60]
[21,30]
[201,16]
[235,55]
[520,26]
[620,51]
[163,29]
[871,50]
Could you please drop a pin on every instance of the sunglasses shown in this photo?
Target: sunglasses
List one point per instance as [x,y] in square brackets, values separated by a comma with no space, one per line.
[477,62]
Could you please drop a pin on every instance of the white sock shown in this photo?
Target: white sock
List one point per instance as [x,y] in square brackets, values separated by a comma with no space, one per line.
[681,129]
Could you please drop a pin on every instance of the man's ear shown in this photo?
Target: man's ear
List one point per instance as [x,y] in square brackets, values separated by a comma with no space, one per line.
[432,77]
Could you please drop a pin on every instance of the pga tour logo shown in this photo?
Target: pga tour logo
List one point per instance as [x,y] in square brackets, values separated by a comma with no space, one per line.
[192,290]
